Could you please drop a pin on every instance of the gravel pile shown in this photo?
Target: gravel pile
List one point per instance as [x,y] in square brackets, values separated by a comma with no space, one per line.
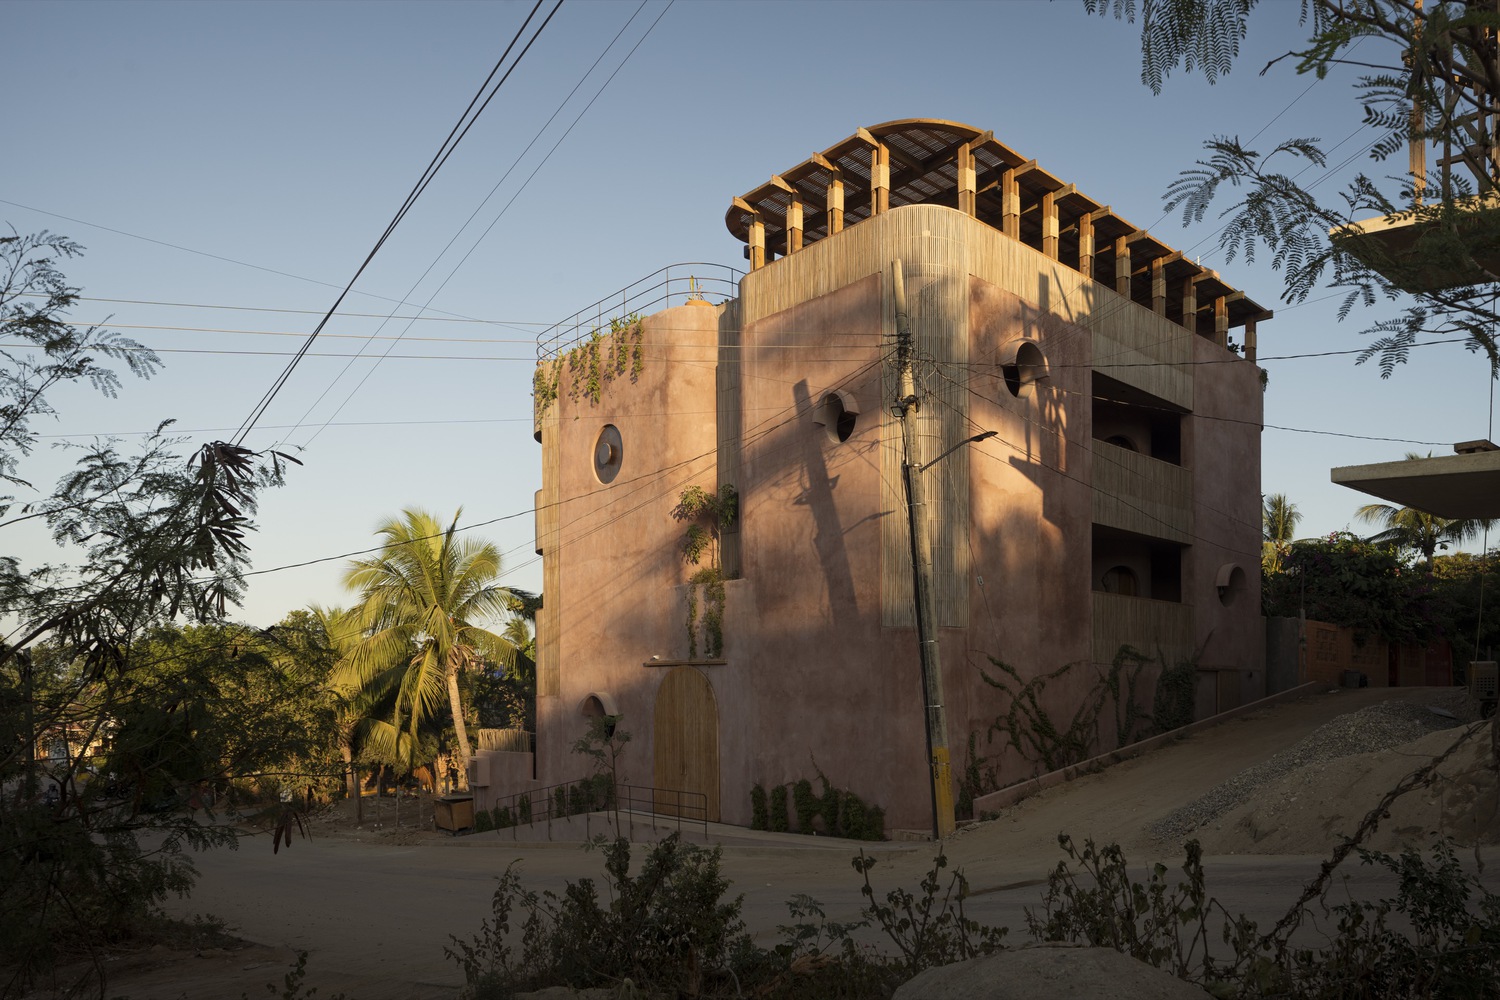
[1378,727]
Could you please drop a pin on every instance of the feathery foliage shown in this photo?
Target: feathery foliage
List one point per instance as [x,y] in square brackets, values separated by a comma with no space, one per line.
[1429,73]
[425,602]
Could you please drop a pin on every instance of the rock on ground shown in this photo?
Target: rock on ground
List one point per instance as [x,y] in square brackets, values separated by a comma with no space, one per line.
[1049,972]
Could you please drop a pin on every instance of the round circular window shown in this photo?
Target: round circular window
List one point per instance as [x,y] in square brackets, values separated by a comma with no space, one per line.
[607,454]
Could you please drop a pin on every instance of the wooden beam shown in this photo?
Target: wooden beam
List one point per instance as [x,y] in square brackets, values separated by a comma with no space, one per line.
[1190,304]
[757,243]
[967,195]
[793,226]
[1086,245]
[880,179]
[835,211]
[1049,225]
[779,183]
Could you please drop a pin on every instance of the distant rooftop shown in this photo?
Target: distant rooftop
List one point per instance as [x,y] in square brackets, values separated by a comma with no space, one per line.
[930,161]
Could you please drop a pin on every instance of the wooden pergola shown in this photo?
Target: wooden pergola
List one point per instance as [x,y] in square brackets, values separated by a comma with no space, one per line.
[931,161]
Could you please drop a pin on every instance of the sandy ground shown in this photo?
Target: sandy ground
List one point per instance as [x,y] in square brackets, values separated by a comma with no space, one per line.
[374,905]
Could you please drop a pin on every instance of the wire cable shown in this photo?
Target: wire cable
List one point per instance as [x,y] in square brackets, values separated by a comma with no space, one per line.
[455,136]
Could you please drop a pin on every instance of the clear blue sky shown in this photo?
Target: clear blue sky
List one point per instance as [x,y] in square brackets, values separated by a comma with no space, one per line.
[285,135]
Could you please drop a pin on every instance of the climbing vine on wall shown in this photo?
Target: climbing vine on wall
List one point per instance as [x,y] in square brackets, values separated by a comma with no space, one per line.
[708,516]
[592,365]
[1030,729]
[842,813]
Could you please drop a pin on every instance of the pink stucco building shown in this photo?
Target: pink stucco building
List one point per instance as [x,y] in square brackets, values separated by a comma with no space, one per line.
[1117,502]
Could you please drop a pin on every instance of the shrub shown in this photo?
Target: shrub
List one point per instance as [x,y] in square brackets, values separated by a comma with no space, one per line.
[667,929]
[807,805]
[780,821]
[759,815]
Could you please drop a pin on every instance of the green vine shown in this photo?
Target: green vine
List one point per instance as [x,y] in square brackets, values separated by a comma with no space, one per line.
[593,364]
[709,515]
[1030,729]
[844,814]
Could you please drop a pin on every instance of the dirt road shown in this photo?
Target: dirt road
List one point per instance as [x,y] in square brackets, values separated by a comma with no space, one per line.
[374,910]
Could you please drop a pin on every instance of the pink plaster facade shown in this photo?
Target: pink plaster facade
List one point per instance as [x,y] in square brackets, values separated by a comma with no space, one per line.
[1031,528]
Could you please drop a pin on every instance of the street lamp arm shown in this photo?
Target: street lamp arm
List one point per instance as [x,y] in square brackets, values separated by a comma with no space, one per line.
[977,437]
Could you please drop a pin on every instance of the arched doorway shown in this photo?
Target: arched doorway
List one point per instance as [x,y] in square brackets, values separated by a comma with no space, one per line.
[685,736]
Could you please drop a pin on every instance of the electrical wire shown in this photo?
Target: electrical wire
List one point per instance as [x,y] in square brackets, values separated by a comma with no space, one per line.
[455,136]
[524,184]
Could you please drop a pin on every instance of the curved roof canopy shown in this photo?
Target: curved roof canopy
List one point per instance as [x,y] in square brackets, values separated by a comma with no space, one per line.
[929,160]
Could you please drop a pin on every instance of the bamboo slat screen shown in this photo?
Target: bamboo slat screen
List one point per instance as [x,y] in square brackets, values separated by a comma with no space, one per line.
[729,414]
[1141,494]
[509,740]
[1149,626]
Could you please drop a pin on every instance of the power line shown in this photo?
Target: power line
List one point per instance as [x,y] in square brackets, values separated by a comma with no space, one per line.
[203,253]
[519,191]
[455,136]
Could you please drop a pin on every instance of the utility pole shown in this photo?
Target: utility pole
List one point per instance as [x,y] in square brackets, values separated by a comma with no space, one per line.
[906,407]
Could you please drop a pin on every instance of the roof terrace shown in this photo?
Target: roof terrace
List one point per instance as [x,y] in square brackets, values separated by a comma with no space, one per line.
[928,160]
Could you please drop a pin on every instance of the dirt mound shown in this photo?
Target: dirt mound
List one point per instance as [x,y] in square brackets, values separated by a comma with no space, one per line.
[1306,798]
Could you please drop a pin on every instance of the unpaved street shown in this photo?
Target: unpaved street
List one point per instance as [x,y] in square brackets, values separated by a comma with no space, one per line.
[374,914]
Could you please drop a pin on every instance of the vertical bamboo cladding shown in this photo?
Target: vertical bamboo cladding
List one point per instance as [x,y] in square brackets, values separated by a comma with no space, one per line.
[729,404]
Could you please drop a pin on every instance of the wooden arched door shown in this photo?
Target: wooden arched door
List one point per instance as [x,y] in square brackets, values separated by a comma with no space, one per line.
[685,735]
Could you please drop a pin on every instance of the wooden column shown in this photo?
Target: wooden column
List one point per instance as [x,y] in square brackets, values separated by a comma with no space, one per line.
[1086,245]
[1221,321]
[1122,266]
[835,204]
[757,243]
[1250,344]
[1049,224]
[1010,205]
[968,199]
[793,226]
[1159,286]
[880,179]
[1190,304]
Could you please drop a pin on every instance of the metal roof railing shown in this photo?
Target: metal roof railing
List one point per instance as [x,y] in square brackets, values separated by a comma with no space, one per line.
[672,285]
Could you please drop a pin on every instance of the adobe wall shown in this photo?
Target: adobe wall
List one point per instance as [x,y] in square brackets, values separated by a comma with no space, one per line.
[618,551]
[813,679]
[1222,449]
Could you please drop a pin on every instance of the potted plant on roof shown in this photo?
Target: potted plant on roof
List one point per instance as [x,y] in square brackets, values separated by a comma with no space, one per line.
[695,293]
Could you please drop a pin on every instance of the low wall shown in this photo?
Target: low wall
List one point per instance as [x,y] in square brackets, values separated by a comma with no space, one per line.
[1009,796]
[495,774]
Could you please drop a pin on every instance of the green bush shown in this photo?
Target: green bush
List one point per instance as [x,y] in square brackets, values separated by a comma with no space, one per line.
[560,802]
[523,808]
[484,821]
[759,815]
[807,805]
[780,821]
[668,929]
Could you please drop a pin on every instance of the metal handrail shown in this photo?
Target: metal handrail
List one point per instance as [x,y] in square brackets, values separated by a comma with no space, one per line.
[692,806]
[672,285]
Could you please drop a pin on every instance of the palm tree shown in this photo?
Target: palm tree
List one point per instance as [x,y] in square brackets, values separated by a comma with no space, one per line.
[1417,530]
[1278,519]
[423,600]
